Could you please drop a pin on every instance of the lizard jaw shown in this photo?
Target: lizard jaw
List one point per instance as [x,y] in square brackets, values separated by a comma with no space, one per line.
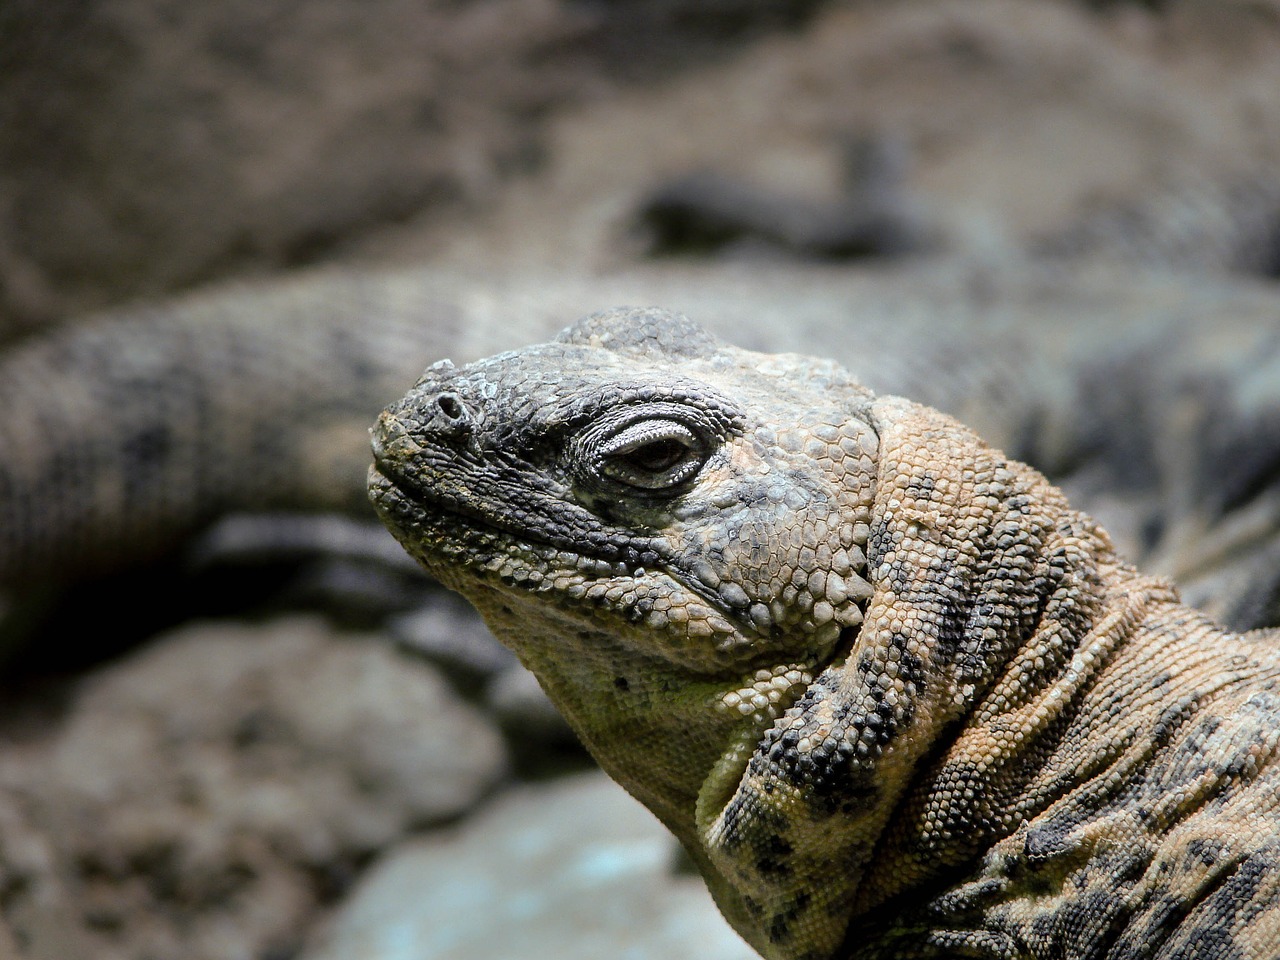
[466,551]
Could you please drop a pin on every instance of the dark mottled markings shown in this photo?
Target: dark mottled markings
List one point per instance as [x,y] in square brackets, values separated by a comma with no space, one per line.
[834,773]
[766,821]
[771,856]
[781,924]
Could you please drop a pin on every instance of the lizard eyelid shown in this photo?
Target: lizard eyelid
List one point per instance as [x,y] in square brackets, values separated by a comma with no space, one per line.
[652,455]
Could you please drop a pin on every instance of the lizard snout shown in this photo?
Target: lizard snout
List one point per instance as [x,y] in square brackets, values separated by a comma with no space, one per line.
[391,441]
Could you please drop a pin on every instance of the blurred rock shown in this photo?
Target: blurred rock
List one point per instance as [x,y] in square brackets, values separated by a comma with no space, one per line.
[206,796]
[708,213]
[516,699]
[574,870]
[153,144]
[449,632]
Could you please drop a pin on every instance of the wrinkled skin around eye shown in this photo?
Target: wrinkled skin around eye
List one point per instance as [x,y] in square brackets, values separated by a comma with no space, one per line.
[652,455]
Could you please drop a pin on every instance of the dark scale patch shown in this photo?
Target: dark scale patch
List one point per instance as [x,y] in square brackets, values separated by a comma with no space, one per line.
[1202,930]
[1204,852]
[778,929]
[639,610]
[840,786]
[1019,503]
[949,638]
[1043,929]
[1243,885]
[1089,923]
[922,486]
[1202,753]
[1047,842]
[829,778]
[762,821]
[910,667]
[880,724]
[1161,916]
[968,900]
[782,924]
[749,493]
[773,861]
[902,579]
[880,543]
[836,774]
[769,867]
[1171,720]
[1211,943]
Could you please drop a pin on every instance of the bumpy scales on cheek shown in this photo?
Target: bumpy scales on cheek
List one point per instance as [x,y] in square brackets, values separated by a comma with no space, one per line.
[894,696]
[783,546]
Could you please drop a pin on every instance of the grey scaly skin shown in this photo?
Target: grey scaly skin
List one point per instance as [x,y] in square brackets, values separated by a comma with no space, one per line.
[1219,224]
[894,696]
[124,433]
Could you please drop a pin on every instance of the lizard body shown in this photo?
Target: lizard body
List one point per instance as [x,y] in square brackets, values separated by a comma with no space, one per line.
[893,694]
[126,432]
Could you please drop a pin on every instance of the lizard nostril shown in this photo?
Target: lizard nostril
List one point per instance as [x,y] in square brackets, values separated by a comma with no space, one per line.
[451,407]
[452,416]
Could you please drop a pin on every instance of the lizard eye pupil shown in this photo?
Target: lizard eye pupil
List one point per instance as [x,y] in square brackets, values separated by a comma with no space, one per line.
[652,455]
[657,456]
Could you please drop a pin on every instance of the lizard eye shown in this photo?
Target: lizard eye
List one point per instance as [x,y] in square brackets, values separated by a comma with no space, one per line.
[652,455]
[657,456]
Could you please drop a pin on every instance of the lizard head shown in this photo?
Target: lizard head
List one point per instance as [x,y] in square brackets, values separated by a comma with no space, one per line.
[634,509]
[755,590]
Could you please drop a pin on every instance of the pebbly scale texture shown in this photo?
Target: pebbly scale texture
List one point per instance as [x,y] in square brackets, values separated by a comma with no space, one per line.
[122,434]
[892,693]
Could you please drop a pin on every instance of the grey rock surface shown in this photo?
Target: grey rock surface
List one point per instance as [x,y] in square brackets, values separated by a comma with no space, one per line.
[445,630]
[204,796]
[521,706]
[573,870]
[152,144]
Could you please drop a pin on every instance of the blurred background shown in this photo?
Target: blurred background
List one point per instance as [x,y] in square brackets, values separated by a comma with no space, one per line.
[235,722]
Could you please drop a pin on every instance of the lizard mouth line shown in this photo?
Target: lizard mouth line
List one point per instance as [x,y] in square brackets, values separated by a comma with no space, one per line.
[386,484]
[436,510]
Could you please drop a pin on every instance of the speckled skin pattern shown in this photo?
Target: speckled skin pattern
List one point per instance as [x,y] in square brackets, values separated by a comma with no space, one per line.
[124,433]
[892,693]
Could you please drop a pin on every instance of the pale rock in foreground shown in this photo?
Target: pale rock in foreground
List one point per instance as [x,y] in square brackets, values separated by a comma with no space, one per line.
[200,795]
[574,870]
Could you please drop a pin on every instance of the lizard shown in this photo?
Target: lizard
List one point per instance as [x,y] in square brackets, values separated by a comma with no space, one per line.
[894,696]
[124,435]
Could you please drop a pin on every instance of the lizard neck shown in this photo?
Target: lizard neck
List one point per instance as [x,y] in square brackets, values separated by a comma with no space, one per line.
[1006,762]
[994,605]
[1069,837]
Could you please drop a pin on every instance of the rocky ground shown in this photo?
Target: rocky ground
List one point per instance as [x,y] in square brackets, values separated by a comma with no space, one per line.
[305,775]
